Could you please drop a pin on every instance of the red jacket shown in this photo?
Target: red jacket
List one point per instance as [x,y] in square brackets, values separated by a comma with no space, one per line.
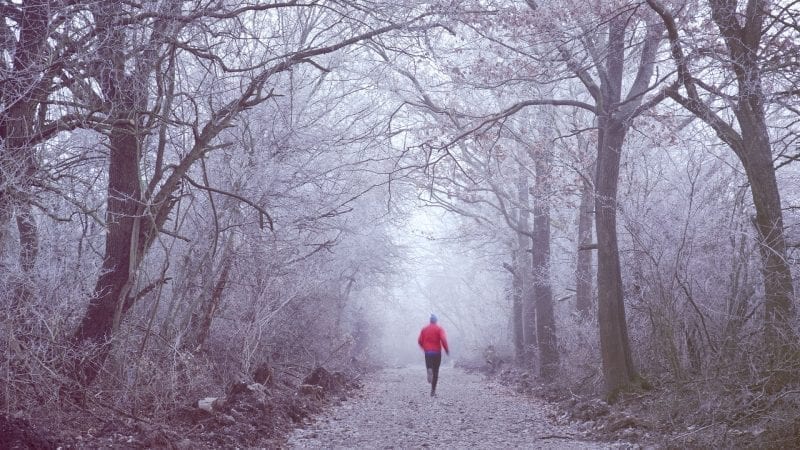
[432,339]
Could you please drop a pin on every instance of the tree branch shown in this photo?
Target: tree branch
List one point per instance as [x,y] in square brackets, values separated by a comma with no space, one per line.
[263,213]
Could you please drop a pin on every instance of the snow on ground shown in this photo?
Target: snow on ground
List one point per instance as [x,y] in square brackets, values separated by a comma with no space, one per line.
[394,410]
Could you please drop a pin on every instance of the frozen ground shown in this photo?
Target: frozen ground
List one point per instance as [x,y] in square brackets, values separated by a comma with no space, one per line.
[394,410]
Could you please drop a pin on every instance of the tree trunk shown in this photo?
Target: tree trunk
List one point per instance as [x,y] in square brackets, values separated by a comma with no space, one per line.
[742,33]
[755,152]
[618,369]
[123,208]
[342,302]
[583,267]
[121,250]
[202,323]
[542,290]
[524,245]
[778,288]
[28,251]
[516,312]
[613,118]
[28,238]
[22,92]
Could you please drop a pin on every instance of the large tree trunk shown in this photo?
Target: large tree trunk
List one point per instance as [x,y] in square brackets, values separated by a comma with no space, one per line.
[124,199]
[779,336]
[778,288]
[542,290]
[618,369]
[121,250]
[123,80]
[583,266]
[755,154]
[614,118]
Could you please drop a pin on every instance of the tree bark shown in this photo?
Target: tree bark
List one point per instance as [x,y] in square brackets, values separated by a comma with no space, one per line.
[583,266]
[342,301]
[542,290]
[120,260]
[524,246]
[202,323]
[516,311]
[23,91]
[614,119]
[28,237]
[618,369]
[28,252]
[124,200]
[755,154]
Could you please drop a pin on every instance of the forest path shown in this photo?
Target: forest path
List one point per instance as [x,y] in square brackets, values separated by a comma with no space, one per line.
[395,410]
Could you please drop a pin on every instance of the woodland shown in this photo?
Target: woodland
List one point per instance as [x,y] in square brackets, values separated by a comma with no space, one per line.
[200,194]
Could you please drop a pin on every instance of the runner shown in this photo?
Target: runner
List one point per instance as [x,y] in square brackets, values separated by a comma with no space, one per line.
[432,339]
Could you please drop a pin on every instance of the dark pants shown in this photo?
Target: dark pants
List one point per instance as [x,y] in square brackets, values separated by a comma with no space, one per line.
[433,361]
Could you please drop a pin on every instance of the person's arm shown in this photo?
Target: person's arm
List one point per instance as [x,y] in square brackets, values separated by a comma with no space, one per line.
[443,338]
[419,340]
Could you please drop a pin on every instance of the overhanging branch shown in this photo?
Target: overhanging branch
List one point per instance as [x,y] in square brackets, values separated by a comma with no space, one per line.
[262,212]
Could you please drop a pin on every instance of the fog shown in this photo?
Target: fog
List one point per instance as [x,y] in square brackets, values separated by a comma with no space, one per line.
[445,274]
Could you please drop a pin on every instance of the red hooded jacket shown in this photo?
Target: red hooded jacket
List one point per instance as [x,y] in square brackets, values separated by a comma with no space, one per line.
[432,339]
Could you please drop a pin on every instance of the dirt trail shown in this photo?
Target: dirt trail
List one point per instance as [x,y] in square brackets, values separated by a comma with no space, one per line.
[394,410]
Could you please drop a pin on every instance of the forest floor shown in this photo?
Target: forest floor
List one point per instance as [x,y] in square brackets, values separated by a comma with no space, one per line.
[250,415]
[394,410]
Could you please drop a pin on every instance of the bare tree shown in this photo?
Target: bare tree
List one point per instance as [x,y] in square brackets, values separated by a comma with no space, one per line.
[135,214]
[600,57]
[743,32]
[26,84]
[542,287]
[584,301]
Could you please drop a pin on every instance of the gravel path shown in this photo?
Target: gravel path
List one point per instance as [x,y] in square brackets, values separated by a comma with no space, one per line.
[394,410]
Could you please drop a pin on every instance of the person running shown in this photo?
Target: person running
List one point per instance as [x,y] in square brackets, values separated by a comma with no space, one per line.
[432,339]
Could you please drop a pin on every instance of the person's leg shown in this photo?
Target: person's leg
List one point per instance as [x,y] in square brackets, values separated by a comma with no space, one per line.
[436,361]
[429,366]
